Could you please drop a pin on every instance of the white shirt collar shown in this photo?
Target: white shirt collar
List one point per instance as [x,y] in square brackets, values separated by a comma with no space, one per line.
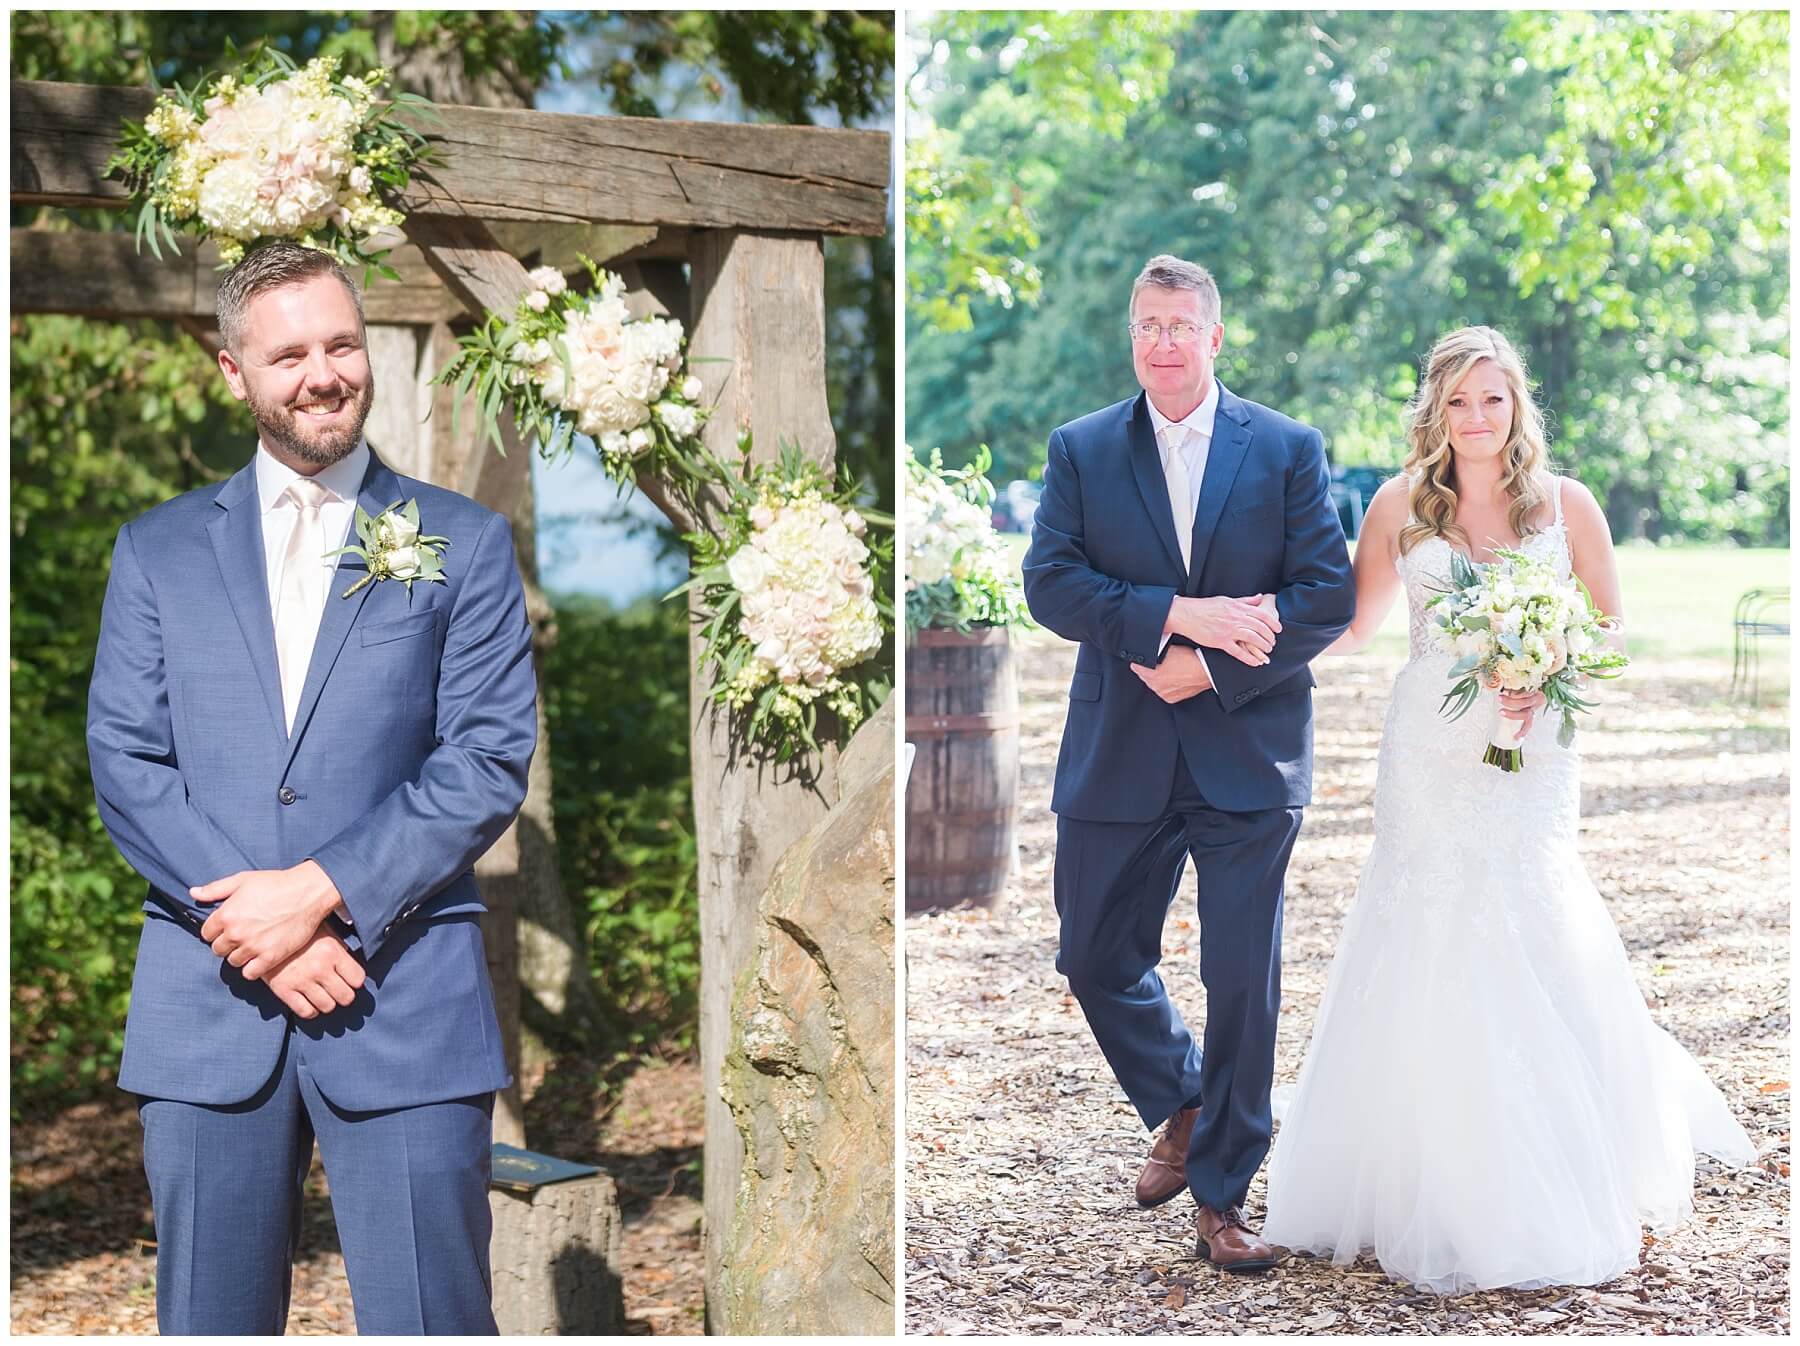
[1199,421]
[343,478]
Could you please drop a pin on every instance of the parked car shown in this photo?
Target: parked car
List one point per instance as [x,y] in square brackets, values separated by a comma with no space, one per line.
[1015,506]
[1351,490]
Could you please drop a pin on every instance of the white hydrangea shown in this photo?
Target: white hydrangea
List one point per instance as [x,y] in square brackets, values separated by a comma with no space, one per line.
[807,600]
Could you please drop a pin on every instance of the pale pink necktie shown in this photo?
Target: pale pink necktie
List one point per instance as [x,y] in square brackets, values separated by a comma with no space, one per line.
[1181,501]
[303,578]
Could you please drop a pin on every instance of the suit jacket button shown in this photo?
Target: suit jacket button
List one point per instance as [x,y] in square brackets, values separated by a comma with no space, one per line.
[286,794]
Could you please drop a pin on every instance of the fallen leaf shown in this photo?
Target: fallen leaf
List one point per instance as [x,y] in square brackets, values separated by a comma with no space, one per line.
[1177,1298]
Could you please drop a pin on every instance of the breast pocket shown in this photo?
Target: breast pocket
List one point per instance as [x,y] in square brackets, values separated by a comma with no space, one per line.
[407,628]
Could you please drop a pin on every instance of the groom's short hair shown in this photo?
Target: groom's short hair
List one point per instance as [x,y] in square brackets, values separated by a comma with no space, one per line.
[1166,272]
[270,267]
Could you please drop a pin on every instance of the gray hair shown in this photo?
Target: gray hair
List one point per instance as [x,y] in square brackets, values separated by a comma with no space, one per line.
[270,267]
[1172,273]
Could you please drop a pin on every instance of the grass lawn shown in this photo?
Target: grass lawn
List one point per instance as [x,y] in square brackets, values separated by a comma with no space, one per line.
[1678,602]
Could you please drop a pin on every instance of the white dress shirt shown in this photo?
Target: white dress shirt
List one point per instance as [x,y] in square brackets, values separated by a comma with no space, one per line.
[1199,426]
[343,479]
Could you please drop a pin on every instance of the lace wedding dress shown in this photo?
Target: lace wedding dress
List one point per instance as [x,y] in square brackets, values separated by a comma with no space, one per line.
[1486,1101]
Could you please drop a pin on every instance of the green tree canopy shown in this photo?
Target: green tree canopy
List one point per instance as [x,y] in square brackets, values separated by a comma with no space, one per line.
[1608,189]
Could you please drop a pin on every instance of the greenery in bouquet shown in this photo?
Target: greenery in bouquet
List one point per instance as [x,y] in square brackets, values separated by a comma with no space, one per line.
[959,574]
[1514,625]
[274,151]
[566,363]
[795,611]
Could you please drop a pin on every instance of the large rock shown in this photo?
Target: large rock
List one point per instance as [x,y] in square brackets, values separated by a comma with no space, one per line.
[810,1074]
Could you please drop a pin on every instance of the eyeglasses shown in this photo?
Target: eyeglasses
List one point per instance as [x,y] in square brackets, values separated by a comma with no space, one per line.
[1179,332]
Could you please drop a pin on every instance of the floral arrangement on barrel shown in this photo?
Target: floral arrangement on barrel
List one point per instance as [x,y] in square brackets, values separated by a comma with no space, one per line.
[959,574]
[787,568]
[274,151]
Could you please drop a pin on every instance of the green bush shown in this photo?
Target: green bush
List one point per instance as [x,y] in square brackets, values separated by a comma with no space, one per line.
[616,696]
[108,419]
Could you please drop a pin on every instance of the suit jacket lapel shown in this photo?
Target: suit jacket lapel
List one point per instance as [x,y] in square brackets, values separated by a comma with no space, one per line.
[237,540]
[1146,466]
[1230,441]
[380,489]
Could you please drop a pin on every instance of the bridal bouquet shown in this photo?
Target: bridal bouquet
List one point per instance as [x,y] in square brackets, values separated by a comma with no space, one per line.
[796,613]
[273,152]
[1514,626]
[958,572]
[566,363]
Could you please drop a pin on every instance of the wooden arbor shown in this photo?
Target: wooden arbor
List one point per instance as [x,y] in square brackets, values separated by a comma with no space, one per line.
[744,207]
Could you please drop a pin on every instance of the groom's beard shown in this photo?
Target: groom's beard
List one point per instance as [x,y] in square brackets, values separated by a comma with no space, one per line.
[285,428]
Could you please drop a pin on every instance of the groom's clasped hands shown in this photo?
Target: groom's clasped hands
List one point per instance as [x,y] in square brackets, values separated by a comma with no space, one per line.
[270,924]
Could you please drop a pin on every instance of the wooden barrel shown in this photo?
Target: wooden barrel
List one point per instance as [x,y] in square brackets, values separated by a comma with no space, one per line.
[962,715]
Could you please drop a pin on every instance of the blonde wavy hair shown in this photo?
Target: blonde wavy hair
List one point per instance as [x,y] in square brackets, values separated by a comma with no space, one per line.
[1431,465]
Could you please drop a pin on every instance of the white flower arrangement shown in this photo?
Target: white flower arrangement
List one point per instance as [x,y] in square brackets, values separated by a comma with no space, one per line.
[274,152]
[797,614]
[567,363]
[1513,626]
[958,572]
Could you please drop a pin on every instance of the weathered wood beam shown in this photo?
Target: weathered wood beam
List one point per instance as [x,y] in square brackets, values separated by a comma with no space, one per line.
[758,304]
[103,275]
[517,164]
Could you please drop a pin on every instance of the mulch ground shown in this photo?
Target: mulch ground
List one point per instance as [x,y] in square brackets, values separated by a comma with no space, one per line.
[83,1251]
[1021,1151]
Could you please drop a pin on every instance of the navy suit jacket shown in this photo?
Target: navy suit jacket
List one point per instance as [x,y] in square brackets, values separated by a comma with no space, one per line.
[407,760]
[1104,566]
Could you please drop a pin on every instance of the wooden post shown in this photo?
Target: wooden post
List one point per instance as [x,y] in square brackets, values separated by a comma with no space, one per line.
[759,304]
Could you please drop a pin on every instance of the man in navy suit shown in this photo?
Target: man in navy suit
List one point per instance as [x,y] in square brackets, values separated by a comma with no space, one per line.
[1187,539]
[305,779]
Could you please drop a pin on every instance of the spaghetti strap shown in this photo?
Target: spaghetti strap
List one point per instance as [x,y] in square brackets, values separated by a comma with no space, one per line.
[1556,495]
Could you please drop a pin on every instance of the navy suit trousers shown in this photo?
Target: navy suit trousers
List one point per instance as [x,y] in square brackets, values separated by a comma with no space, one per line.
[1114,884]
[408,1188]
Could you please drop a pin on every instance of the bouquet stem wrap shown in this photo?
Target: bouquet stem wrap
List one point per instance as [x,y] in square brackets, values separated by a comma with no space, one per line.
[1504,749]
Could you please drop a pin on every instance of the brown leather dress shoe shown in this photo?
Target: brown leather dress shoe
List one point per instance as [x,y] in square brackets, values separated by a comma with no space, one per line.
[1229,1243]
[1165,1172]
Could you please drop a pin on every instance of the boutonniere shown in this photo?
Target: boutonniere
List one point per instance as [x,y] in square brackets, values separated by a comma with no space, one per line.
[394,549]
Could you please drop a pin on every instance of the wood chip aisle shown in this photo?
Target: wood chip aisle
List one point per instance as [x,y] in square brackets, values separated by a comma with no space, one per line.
[1021,1152]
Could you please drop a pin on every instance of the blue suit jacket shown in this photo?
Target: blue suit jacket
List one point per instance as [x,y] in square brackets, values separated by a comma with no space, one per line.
[1104,565]
[407,760]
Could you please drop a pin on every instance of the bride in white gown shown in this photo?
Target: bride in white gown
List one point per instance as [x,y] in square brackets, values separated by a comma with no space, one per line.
[1486,1101]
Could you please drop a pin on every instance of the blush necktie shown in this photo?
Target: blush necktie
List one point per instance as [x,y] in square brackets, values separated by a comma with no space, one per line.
[304,577]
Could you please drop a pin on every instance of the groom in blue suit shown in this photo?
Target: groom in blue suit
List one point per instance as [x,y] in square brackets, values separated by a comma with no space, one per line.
[305,779]
[1187,539]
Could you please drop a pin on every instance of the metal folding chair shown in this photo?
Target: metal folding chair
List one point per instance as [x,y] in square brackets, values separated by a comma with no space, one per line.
[1760,613]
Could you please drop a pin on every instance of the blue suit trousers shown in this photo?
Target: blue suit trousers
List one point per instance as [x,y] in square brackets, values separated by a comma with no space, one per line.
[408,1188]
[1114,883]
